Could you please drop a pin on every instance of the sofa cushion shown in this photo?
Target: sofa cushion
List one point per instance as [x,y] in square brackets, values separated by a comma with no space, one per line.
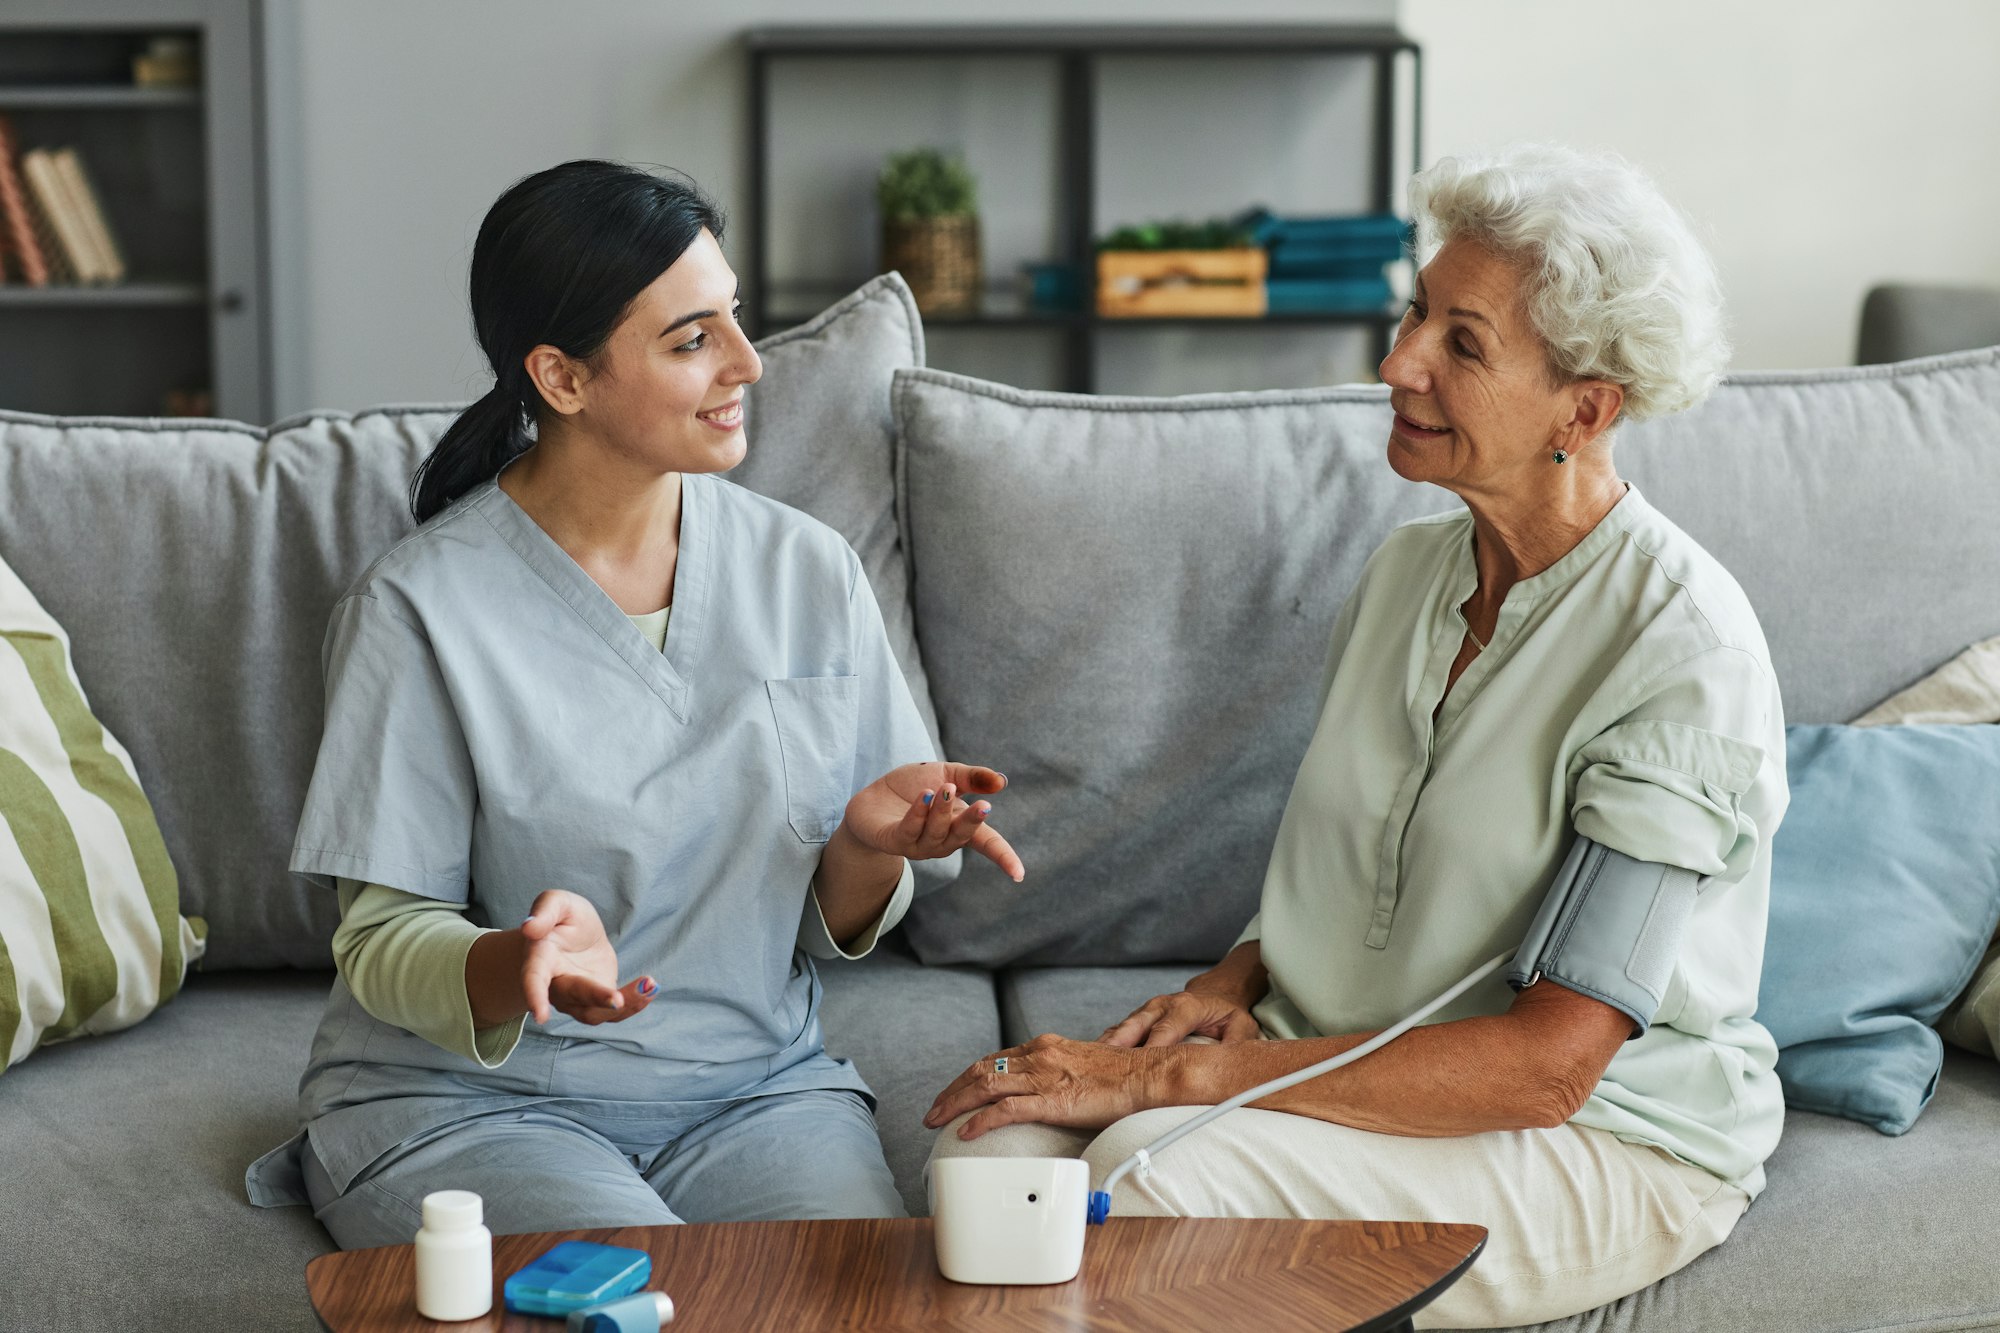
[91,935]
[1079,1002]
[195,565]
[124,1162]
[1124,606]
[1885,888]
[1857,509]
[1853,1231]
[910,1030]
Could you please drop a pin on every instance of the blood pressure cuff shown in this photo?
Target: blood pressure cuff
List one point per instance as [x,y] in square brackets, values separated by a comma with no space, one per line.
[1610,928]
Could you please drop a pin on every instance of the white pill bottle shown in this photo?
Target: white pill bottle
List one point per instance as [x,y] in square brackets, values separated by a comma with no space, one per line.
[454,1257]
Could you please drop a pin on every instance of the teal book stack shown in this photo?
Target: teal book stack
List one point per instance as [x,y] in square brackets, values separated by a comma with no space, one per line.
[1328,265]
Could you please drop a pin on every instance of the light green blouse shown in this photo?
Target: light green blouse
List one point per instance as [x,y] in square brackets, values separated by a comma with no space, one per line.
[403,955]
[1626,695]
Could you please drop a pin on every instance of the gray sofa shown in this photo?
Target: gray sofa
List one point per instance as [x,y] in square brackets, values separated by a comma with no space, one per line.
[1074,584]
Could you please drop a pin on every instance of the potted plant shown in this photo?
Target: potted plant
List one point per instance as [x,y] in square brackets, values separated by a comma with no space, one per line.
[930,229]
[1213,268]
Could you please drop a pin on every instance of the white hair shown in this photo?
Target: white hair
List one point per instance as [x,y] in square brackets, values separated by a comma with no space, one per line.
[1620,288]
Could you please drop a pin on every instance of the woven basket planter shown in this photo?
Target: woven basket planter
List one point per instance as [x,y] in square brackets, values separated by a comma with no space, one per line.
[939,258]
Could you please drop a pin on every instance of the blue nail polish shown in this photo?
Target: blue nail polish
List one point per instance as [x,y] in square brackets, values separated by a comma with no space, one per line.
[646,987]
[927,798]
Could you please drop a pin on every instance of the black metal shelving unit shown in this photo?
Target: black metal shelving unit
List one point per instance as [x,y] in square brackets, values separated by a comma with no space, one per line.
[1076,49]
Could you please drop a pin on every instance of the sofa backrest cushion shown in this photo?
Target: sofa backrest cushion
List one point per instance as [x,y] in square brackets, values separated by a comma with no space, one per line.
[1859,508]
[1124,604]
[195,565]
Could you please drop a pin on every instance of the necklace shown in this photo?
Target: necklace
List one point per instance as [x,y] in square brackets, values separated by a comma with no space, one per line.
[1469,634]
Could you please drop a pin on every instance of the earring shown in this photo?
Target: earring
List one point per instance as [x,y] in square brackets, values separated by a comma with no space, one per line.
[1561,457]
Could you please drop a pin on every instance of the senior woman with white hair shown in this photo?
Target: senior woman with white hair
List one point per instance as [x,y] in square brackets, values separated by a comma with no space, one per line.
[1556,660]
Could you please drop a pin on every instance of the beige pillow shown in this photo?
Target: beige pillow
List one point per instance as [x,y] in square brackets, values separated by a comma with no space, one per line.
[1963,690]
[91,936]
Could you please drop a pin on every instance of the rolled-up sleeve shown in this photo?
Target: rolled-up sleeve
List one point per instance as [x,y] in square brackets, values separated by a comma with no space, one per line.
[1666,783]
[816,939]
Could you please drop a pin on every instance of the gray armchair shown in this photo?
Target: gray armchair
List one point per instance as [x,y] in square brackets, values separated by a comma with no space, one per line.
[1900,321]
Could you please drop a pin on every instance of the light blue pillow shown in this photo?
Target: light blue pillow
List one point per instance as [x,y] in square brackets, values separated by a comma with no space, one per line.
[1885,889]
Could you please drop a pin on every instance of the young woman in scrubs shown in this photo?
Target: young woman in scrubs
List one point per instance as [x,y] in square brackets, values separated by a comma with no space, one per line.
[610,746]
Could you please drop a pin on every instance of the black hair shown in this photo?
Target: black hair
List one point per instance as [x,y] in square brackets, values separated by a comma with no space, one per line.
[559,260]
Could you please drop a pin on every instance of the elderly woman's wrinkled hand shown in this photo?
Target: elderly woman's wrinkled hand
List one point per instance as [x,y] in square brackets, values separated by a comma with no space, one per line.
[1056,1081]
[1168,1020]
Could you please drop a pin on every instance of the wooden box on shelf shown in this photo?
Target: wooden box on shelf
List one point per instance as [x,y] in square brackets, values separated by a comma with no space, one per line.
[1154,283]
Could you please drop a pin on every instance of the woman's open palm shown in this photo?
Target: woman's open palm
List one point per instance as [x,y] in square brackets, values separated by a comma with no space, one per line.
[571,966]
[918,812]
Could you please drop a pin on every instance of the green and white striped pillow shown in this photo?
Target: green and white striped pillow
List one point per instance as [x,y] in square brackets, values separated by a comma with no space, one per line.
[91,935]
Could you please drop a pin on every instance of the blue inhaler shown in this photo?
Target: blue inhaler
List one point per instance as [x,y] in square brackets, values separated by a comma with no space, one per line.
[577,1274]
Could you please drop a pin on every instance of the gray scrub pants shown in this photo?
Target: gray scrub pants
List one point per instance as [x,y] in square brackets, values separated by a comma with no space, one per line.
[789,1155]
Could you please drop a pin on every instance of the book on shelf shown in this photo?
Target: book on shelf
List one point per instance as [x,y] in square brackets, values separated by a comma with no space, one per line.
[1328,265]
[57,262]
[63,195]
[1381,231]
[51,198]
[83,193]
[1328,295]
[1316,262]
[16,220]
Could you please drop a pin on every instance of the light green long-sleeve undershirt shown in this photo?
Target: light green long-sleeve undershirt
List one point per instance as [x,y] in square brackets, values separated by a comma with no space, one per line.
[403,955]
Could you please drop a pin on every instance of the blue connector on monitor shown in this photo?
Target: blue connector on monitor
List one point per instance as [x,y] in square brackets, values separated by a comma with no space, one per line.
[1100,1207]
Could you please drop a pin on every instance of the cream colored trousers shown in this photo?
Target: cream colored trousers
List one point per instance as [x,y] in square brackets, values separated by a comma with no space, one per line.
[1575,1217]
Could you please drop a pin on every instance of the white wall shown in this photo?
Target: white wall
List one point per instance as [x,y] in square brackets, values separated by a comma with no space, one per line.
[393,126]
[1825,145]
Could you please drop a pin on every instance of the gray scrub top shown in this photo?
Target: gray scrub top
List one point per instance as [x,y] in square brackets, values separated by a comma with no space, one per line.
[496,726]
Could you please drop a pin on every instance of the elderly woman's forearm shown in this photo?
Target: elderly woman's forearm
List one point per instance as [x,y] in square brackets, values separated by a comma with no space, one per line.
[1239,977]
[1465,1077]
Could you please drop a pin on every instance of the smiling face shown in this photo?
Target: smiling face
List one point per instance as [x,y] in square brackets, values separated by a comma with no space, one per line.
[665,392]
[1478,410]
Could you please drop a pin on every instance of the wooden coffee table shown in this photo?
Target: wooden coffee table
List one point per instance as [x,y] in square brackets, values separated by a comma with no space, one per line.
[1139,1273]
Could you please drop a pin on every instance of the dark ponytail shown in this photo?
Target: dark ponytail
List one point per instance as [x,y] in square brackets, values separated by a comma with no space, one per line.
[559,260]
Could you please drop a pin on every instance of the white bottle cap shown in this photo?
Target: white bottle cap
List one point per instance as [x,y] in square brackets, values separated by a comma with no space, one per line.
[452,1210]
[666,1306]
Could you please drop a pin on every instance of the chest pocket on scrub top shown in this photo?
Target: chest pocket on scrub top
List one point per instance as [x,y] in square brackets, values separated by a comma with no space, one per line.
[816,718]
